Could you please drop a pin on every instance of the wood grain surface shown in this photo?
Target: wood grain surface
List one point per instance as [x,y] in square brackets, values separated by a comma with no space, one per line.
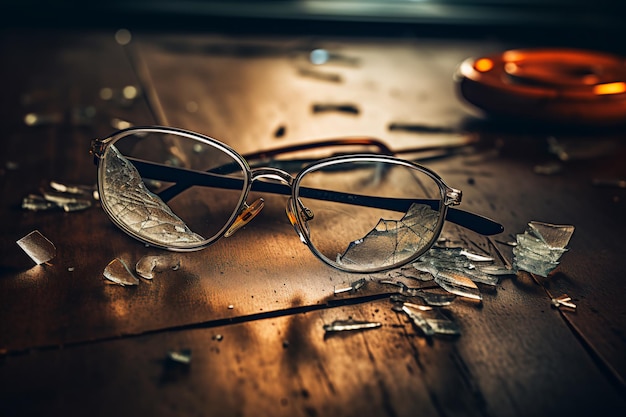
[251,308]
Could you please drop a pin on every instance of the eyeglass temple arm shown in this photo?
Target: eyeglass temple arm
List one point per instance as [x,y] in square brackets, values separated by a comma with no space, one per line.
[187,178]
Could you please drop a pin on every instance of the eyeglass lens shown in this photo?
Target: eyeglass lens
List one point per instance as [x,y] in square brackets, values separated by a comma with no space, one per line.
[369,236]
[191,217]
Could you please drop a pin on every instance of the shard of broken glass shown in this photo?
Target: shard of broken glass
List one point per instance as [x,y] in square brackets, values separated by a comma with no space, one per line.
[393,240]
[39,248]
[540,247]
[137,208]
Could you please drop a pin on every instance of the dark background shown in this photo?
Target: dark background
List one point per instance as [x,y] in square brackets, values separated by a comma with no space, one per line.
[595,24]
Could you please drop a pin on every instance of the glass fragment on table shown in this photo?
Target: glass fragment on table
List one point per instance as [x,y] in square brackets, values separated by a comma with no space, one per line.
[460,262]
[429,298]
[350,324]
[555,236]
[455,269]
[140,210]
[67,197]
[34,202]
[353,287]
[476,274]
[393,240]
[37,247]
[68,202]
[182,357]
[497,270]
[540,247]
[118,272]
[148,265]
[418,320]
[430,321]
[453,272]
[412,273]
[447,242]
[83,190]
[458,284]
[475,256]
[414,306]
[563,301]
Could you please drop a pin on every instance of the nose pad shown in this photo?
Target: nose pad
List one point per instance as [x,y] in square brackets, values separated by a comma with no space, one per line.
[248,213]
[306,213]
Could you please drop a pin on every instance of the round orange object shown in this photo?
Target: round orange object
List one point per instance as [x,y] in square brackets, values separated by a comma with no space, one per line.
[552,85]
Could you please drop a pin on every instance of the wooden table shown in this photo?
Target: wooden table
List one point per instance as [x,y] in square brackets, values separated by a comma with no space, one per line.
[251,308]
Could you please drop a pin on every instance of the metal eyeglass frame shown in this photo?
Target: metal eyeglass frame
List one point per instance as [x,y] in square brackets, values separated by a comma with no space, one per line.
[289,185]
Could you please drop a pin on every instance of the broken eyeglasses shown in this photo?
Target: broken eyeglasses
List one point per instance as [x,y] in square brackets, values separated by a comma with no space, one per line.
[182,191]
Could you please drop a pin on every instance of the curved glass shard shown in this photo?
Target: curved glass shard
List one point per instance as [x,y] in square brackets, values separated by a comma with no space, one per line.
[393,240]
[149,264]
[140,211]
[117,272]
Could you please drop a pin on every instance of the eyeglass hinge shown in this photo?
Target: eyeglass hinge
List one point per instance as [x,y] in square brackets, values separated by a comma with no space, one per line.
[96,149]
[453,197]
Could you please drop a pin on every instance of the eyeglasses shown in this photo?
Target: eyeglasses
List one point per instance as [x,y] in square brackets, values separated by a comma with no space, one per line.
[182,191]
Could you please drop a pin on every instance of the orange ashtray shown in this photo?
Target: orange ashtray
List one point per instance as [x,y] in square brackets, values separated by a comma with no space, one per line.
[551,85]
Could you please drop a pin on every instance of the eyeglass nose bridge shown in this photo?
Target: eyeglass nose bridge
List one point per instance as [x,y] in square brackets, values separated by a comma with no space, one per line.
[249,212]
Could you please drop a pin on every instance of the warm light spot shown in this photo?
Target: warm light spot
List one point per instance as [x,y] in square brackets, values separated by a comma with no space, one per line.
[483,65]
[130,92]
[31,119]
[511,68]
[610,88]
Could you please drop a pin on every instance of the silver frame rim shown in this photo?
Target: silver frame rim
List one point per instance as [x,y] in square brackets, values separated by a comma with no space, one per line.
[443,187]
[193,136]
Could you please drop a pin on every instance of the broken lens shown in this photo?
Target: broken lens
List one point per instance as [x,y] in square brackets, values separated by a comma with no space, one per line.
[375,212]
[171,189]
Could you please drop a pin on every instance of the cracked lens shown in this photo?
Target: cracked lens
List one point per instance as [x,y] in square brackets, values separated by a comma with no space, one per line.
[141,211]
